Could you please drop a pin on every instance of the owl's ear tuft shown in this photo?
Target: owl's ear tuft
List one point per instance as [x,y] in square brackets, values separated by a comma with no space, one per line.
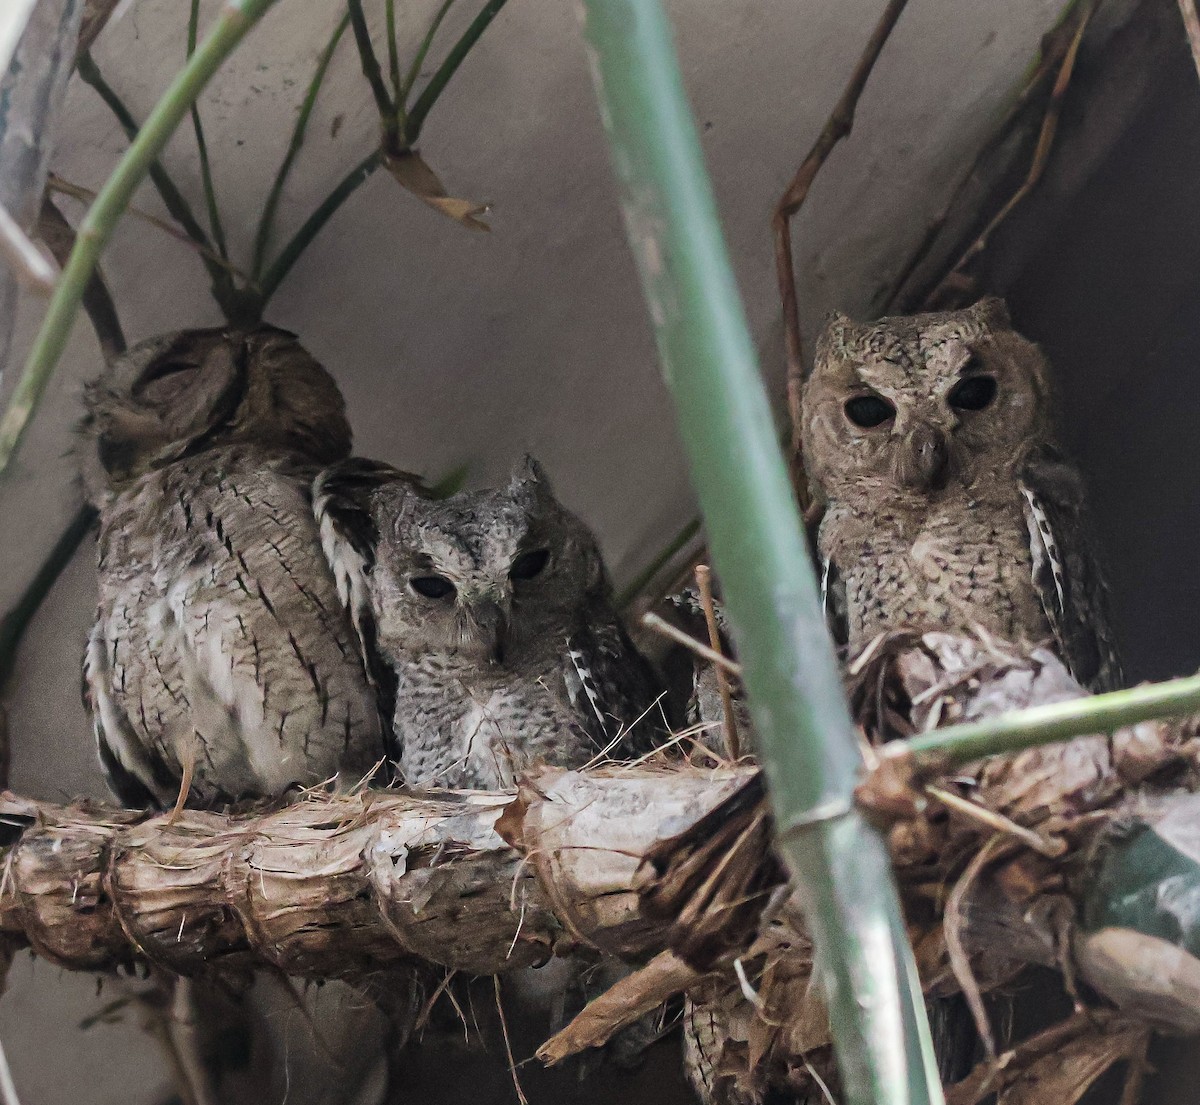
[529,476]
[834,334]
[992,311]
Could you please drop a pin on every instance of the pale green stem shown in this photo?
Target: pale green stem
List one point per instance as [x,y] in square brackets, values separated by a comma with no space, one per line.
[807,742]
[414,70]
[394,61]
[236,18]
[431,92]
[282,265]
[956,745]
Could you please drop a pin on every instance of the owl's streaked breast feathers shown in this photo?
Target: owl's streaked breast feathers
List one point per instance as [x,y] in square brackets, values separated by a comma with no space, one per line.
[929,443]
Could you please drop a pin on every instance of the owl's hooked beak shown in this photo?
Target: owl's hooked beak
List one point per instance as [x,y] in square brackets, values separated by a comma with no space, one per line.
[489,623]
[924,460]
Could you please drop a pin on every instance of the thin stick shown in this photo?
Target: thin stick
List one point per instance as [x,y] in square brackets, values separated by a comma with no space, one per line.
[997,822]
[236,18]
[437,83]
[661,625]
[173,199]
[210,191]
[414,70]
[836,128]
[394,55]
[87,195]
[947,749]
[98,305]
[960,962]
[312,226]
[733,747]
[512,1065]
[1191,23]
[262,235]
[1041,155]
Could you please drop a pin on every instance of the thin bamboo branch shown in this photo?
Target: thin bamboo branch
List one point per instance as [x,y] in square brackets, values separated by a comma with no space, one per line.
[266,220]
[414,70]
[96,14]
[394,59]
[236,18]
[279,268]
[1191,23]
[803,729]
[838,126]
[956,745]
[173,199]
[374,75]
[206,178]
[1037,166]
[98,305]
[437,83]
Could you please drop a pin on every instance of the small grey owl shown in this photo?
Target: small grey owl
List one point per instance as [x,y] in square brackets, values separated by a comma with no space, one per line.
[928,441]
[220,650]
[495,612]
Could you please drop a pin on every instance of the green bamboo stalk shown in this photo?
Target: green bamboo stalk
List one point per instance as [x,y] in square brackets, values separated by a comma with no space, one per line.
[236,18]
[262,235]
[956,745]
[437,83]
[414,70]
[312,226]
[806,738]
[206,178]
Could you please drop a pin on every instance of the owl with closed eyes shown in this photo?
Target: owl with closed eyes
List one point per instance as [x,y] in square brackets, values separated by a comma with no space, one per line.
[221,656]
[928,442]
[494,611]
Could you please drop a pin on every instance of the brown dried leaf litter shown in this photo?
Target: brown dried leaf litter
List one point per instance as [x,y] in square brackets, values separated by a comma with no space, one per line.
[661,863]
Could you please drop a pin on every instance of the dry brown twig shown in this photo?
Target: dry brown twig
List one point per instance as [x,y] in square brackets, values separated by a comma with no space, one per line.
[704,584]
[1041,155]
[837,127]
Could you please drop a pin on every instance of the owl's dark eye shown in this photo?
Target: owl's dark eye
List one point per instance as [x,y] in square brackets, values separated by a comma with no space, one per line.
[530,564]
[973,393]
[432,587]
[869,411]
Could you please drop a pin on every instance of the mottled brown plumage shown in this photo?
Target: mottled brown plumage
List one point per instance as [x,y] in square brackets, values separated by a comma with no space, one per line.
[928,441]
[220,640]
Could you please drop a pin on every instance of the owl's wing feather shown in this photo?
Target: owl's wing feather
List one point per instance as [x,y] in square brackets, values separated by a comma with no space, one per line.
[611,682]
[833,603]
[126,761]
[1072,589]
[341,504]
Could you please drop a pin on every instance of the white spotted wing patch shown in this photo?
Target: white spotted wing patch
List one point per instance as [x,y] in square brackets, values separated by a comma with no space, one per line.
[1047,561]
